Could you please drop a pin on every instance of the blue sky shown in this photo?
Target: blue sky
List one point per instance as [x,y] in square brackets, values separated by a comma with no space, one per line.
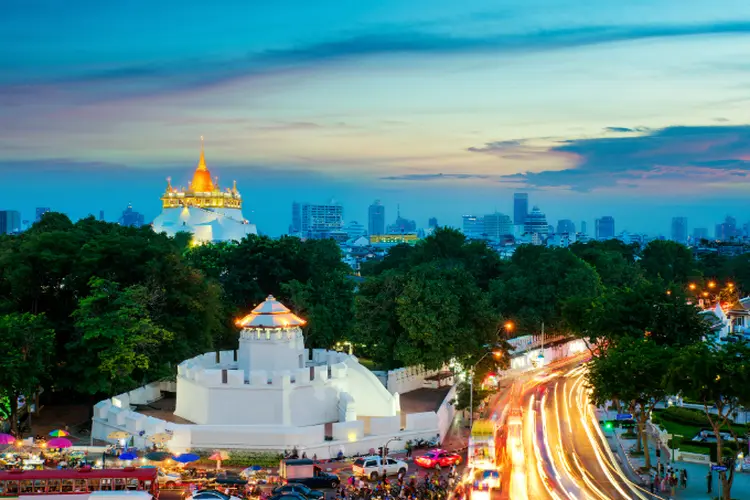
[634,109]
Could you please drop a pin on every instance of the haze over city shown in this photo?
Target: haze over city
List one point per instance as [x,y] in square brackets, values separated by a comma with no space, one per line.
[633,110]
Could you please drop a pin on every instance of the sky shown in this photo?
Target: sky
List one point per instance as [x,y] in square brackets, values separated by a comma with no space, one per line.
[637,109]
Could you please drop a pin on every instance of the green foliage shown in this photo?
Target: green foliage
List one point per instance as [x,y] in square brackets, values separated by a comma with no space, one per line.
[686,416]
[613,260]
[669,261]
[539,283]
[27,342]
[463,396]
[117,344]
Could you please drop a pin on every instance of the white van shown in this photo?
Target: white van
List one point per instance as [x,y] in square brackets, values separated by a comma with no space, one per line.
[374,466]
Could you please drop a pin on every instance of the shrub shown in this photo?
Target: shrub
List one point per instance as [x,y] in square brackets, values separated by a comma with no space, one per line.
[685,416]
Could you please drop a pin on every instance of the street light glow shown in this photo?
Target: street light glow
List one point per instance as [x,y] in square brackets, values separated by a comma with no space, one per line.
[711,284]
[509,325]
[692,286]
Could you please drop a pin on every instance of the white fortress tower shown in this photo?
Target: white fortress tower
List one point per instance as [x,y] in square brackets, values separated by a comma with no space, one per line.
[272,380]
[271,339]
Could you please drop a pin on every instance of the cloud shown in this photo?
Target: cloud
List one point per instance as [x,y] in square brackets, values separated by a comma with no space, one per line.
[700,155]
[155,77]
[434,177]
[625,130]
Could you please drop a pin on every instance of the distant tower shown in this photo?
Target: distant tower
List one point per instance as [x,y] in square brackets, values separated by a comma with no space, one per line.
[520,208]
[679,229]
[605,228]
[583,227]
[101,215]
[376,219]
[433,223]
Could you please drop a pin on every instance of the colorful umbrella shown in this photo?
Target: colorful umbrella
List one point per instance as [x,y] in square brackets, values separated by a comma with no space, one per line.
[186,458]
[7,439]
[59,443]
[118,435]
[58,433]
[128,456]
[219,456]
[160,438]
[158,456]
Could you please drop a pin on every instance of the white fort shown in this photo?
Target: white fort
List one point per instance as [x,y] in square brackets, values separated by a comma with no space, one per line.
[273,380]
[203,209]
[271,394]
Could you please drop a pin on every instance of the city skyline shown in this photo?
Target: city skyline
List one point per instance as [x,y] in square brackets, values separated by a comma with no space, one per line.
[586,107]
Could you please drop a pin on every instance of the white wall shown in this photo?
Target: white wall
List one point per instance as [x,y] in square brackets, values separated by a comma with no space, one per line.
[371,398]
[412,378]
[445,413]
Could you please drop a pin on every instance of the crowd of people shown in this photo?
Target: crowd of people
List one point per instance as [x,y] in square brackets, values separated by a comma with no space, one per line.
[432,486]
[667,479]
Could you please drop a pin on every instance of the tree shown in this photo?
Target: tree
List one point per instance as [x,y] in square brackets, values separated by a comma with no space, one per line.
[718,377]
[27,347]
[670,261]
[117,343]
[537,285]
[631,372]
[613,260]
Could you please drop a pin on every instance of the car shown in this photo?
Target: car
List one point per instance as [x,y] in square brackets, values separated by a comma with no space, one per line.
[288,496]
[169,480]
[375,466]
[438,458]
[300,489]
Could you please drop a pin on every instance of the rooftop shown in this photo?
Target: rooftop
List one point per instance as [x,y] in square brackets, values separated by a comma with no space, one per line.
[270,314]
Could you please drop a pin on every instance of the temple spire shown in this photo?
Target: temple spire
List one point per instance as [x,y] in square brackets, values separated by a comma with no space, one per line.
[202,161]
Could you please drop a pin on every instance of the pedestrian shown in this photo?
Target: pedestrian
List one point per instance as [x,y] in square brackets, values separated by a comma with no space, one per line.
[709,480]
[653,485]
[408,449]
[684,478]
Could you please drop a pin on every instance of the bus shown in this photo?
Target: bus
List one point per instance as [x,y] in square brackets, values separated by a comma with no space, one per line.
[84,481]
[482,452]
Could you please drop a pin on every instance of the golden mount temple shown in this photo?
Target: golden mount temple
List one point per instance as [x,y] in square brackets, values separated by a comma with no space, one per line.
[203,209]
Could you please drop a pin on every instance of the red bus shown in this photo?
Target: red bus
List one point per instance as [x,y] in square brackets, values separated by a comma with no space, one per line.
[18,483]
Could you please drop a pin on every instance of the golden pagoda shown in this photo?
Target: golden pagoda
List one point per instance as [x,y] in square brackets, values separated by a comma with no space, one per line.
[202,191]
[203,209]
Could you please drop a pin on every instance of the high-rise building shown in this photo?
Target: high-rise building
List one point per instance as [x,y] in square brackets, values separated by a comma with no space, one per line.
[583,227]
[679,229]
[296,225]
[497,226]
[354,229]
[536,223]
[566,226]
[520,208]
[472,226]
[10,221]
[700,233]
[402,225]
[101,215]
[605,228]
[319,221]
[727,230]
[41,211]
[432,223]
[376,219]
[131,218]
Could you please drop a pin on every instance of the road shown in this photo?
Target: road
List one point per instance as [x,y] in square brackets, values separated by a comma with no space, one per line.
[565,455]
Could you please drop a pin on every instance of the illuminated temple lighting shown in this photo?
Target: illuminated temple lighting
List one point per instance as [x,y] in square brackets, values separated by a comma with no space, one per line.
[203,209]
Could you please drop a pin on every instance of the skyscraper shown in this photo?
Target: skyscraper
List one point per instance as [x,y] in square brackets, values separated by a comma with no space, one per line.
[727,230]
[566,226]
[472,226]
[101,215]
[520,208]
[536,222]
[605,228]
[296,226]
[131,218]
[10,222]
[497,226]
[432,223]
[583,227]
[41,211]
[319,221]
[376,219]
[679,229]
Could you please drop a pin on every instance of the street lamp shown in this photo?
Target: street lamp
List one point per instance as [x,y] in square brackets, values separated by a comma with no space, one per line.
[471,385]
[385,449]
[711,284]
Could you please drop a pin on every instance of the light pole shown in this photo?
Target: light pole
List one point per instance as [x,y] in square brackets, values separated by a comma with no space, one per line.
[385,452]
[471,387]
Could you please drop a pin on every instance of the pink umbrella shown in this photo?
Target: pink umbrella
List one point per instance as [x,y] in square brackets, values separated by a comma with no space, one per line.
[7,439]
[59,443]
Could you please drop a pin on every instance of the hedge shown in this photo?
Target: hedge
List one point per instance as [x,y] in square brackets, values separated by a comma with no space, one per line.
[686,416]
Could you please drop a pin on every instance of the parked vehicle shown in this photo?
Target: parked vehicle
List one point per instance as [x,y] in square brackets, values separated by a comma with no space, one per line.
[298,488]
[288,496]
[169,480]
[438,458]
[304,471]
[375,466]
